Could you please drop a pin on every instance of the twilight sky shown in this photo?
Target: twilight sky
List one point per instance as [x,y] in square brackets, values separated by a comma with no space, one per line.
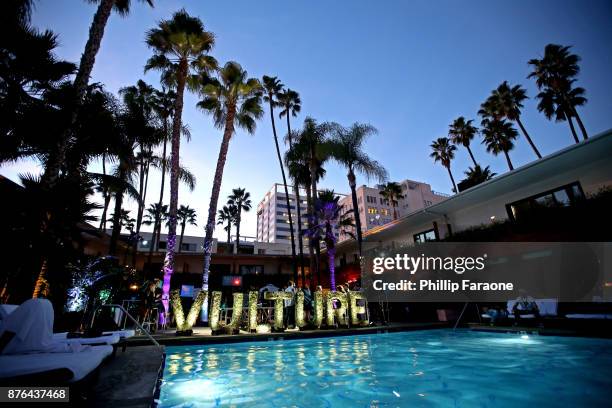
[407,67]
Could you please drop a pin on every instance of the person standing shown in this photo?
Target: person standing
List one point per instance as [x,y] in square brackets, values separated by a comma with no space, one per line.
[290,306]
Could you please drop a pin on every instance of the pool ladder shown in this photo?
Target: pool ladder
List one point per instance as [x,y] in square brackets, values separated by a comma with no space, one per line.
[463,311]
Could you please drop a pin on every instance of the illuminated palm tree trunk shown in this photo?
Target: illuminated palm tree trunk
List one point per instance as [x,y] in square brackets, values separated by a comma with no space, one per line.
[174,183]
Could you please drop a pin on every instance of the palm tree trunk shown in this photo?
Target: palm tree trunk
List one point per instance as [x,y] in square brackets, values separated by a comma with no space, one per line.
[238,216]
[580,124]
[41,279]
[155,234]
[469,149]
[144,181]
[180,247]
[112,248]
[533,146]
[107,198]
[175,146]
[96,32]
[229,232]
[296,192]
[311,257]
[452,179]
[313,186]
[353,185]
[214,197]
[105,194]
[282,168]
[508,160]
[571,125]
[331,254]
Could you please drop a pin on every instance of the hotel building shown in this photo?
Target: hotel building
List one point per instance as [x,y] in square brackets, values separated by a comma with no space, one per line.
[561,179]
[375,211]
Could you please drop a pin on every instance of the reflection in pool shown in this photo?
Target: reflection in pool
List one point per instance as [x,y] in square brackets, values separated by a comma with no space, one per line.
[421,368]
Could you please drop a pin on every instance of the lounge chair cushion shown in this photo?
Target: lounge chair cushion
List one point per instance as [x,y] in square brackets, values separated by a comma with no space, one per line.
[80,363]
[110,339]
[124,334]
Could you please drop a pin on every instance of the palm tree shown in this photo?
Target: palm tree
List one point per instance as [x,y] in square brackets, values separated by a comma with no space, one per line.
[474,176]
[392,192]
[326,221]
[444,152]
[81,80]
[163,105]
[290,104]
[313,144]
[180,46]
[298,166]
[347,147]
[122,219]
[555,75]
[241,200]
[461,132]
[186,215]
[233,100]
[272,87]
[506,102]
[227,214]
[499,136]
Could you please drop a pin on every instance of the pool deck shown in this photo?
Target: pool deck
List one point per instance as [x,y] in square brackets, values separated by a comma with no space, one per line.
[129,379]
[202,335]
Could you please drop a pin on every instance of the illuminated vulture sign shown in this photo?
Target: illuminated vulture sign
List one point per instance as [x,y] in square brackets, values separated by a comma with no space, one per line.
[325,314]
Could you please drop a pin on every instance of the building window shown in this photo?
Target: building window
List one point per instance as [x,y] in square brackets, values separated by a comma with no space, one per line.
[372,210]
[189,247]
[162,245]
[560,197]
[251,269]
[282,237]
[425,236]
[384,211]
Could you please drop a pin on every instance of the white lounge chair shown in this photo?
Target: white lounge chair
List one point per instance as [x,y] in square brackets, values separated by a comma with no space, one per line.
[76,365]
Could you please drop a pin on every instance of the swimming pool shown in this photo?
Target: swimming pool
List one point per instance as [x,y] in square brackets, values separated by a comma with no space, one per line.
[429,368]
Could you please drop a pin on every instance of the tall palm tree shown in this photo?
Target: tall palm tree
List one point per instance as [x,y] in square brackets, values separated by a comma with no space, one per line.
[186,215]
[313,144]
[461,132]
[298,166]
[181,46]
[392,192]
[240,199]
[227,214]
[506,102]
[163,105]
[81,80]
[272,88]
[555,75]
[233,99]
[347,147]
[290,104]
[499,136]
[444,152]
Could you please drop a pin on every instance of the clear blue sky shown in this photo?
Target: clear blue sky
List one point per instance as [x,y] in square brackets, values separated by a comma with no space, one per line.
[407,67]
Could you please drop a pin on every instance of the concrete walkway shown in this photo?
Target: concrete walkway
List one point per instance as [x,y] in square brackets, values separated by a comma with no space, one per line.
[130,378]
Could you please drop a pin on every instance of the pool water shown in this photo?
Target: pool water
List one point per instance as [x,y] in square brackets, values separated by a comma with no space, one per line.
[431,368]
